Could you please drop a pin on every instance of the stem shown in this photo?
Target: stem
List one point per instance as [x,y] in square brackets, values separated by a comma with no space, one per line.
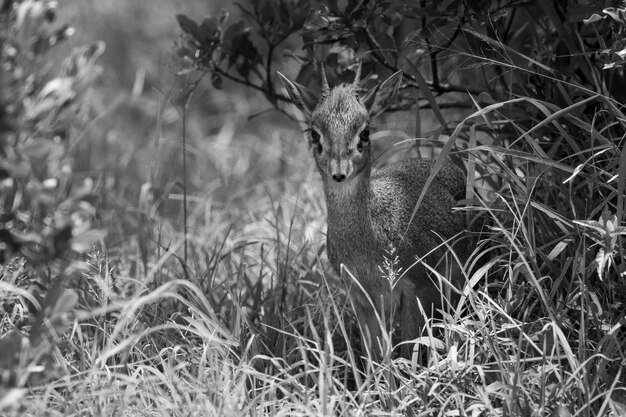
[184,134]
[250,84]
[188,93]
[440,88]
[268,70]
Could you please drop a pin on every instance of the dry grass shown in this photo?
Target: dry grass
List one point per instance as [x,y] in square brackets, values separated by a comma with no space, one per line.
[243,316]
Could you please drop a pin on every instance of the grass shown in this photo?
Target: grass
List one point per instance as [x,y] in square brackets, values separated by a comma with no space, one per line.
[260,327]
[243,316]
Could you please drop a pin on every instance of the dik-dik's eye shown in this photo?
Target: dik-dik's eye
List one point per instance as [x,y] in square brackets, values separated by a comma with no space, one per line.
[365,135]
[315,137]
[315,140]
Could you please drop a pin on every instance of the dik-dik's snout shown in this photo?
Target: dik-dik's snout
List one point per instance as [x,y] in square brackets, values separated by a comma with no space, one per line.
[339,177]
[340,169]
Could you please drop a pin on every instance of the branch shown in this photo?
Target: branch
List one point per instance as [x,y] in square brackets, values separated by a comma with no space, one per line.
[436,86]
[452,105]
[250,84]
[268,68]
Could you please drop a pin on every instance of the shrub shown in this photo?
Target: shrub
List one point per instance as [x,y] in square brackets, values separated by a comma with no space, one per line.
[47,215]
[530,95]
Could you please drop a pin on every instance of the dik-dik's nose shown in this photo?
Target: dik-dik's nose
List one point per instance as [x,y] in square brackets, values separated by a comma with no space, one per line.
[339,169]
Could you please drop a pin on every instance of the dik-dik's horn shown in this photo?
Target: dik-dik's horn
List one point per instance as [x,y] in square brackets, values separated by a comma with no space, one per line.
[357,77]
[325,86]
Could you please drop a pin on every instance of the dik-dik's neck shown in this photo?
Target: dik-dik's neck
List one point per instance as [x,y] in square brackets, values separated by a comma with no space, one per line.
[348,205]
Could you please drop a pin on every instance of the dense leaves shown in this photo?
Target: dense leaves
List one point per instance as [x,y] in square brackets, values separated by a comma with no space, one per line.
[44,212]
[47,215]
[454,54]
[529,94]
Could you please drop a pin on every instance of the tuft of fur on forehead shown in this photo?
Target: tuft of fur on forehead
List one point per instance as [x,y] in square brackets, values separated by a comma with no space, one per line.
[342,105]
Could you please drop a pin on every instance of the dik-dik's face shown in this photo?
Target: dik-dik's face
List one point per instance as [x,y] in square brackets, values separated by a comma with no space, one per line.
[339,134]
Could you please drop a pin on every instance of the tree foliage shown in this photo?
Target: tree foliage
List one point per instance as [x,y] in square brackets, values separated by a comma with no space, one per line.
[454,46]
[529,94]
[543,78]
[44,213]
[47,215]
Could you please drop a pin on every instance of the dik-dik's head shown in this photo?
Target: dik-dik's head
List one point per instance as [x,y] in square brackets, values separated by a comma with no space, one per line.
[338,133]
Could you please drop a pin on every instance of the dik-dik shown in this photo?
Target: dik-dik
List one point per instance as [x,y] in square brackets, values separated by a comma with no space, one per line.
[369,212]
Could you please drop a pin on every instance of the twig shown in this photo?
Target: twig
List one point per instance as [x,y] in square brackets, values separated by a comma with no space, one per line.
[250,84]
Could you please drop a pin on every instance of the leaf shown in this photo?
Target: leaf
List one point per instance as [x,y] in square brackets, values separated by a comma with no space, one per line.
[10,346]
[65,304]
[83,242]
[577,171]
[208,32]
[333,7]
[561,411]
[223,16]
[11,397]
[556,251]
[298,17]
[37,149]
[231,37]
[593,18]
[216,80]
[6,7]
[26,238]
[232,31]
[616,14]
[243,54]
[187,25]
[501,14]
[619,409]
[56,93]
[602,259]
[485,98]
[81,66]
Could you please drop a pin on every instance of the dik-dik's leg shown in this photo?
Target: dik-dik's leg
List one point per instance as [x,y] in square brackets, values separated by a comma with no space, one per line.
[411,323]
[375,335]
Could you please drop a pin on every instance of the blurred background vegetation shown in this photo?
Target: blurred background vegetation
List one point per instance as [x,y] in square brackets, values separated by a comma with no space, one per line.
[162,231]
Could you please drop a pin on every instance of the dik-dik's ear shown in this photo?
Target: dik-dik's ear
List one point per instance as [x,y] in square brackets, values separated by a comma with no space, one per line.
[299,95]
[377,99]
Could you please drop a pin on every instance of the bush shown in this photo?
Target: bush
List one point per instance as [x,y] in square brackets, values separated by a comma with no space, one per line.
[47,213]
[530,95]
